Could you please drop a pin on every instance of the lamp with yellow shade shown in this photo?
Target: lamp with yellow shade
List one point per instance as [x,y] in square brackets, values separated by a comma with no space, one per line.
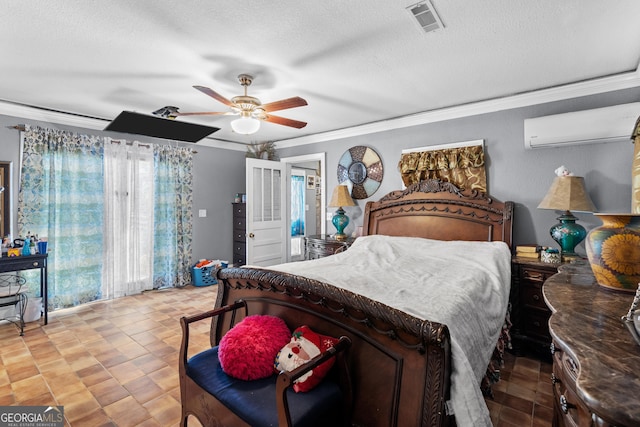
[568,193]
[340,198]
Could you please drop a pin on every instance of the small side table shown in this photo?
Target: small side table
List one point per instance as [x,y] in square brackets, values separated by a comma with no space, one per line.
[529,313]
[323,245]
[29,262]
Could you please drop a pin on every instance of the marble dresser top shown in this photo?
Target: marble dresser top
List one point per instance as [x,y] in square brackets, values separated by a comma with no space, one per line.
[586,323]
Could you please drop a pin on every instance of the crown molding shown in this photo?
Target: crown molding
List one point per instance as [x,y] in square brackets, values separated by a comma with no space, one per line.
[22,111]
[221,143]
[50,116]
[559,93]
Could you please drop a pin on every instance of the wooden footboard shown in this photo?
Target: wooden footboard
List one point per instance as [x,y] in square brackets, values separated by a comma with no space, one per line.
[400,365]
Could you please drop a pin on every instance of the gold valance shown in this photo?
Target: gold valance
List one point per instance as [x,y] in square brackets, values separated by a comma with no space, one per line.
[462,166]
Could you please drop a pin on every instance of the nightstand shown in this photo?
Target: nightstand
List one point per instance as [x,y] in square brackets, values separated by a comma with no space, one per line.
[529,313]
[322,245]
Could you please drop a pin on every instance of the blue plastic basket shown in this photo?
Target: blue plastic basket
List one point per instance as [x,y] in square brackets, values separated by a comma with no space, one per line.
[205,276]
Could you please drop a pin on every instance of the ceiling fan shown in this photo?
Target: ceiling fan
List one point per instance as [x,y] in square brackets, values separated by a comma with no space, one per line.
[250,109]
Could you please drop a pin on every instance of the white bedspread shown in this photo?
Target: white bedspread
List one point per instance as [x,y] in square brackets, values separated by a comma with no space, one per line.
[464,285]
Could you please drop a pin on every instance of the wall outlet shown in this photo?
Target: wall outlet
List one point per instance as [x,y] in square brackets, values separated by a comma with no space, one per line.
[202,213]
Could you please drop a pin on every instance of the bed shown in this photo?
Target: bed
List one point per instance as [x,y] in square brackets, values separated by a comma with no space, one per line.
[410,365]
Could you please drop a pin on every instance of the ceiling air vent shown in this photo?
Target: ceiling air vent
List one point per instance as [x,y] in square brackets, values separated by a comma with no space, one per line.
[426,16]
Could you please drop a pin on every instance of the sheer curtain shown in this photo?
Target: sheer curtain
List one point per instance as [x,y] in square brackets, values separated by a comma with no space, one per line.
[61,198]
[128,218]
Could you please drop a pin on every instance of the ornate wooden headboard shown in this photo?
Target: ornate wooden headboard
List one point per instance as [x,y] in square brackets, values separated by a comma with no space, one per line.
[439,210]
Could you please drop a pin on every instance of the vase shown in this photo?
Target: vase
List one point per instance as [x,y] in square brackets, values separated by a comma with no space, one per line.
[613,250]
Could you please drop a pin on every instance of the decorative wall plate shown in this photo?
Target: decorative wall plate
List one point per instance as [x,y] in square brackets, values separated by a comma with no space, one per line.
[360,168]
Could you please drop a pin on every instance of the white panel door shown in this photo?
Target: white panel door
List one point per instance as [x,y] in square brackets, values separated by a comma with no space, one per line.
[267,218]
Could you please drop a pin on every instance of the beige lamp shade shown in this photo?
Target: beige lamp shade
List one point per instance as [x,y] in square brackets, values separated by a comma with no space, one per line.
[341,197]
[568,193]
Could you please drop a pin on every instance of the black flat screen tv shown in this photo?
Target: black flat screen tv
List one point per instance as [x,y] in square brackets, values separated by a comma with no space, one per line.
[159,127]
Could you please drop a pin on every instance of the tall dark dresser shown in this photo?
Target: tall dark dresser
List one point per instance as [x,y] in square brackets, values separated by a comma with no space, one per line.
[239,234]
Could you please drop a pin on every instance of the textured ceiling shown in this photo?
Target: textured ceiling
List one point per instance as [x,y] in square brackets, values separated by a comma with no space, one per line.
[355,62]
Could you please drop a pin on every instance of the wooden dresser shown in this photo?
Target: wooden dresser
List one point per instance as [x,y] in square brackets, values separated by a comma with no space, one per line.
[529,314]
[596,362]
[323,245]
[239,234]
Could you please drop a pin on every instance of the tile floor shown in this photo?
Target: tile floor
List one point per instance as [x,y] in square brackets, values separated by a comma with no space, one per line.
[523,396]
[114,363]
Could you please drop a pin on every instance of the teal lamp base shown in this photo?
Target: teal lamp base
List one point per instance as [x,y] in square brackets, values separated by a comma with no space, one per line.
[340,222]
[568,234]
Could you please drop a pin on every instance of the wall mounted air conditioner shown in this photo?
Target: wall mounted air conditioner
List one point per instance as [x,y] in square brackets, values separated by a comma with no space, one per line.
[606,124]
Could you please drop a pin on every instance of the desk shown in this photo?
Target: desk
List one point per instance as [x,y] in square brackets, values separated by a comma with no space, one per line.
[30,262]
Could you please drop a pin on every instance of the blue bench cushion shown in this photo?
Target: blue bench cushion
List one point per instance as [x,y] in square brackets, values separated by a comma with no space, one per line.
[255,401]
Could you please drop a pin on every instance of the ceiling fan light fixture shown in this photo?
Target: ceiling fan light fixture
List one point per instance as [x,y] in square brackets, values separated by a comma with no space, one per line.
[251,110]
[245,125]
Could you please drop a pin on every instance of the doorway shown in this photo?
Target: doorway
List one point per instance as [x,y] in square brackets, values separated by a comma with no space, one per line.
[311,212]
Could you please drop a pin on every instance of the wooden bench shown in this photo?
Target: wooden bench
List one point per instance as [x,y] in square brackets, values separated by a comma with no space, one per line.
[217,399]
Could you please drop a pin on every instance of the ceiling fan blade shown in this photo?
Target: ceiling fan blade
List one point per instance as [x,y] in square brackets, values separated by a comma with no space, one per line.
[283,104]
[284,121]
[205,113]
[215,95]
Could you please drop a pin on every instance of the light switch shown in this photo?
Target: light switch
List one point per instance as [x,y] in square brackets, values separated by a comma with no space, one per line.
[202,213]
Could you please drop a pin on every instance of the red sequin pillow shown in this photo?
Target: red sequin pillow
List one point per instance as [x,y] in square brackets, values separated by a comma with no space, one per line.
[247,350]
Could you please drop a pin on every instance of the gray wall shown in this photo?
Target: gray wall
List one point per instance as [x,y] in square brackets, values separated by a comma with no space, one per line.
[513,173]
[218,176]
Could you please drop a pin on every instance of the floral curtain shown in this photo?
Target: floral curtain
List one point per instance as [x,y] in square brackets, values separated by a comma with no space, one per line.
[173,222]
[462,166]
[61,197]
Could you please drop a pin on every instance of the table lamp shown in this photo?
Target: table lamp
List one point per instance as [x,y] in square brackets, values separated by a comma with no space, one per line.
[568,193]
[340,198]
